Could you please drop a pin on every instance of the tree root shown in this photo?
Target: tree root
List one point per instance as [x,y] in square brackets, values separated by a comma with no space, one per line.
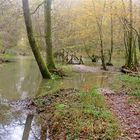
[58,72]
[131,72]
[4,61]
[109,64]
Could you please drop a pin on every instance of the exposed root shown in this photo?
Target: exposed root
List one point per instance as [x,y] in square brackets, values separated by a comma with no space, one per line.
[131,72]
[109,64]
[58,72]
[4,61]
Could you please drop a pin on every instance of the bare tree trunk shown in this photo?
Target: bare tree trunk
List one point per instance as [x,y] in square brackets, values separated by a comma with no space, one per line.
[99,22]
[102,49]
[130,50]
[135,53]
[48,35]
[112,36]
[139,38]
[42,66]
[139,29]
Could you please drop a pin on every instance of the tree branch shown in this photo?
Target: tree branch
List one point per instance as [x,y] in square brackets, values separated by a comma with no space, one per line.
[37,8]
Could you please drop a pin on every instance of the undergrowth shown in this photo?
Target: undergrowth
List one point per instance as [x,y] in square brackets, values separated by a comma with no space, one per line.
[129,83]
[82,116]
[7,56]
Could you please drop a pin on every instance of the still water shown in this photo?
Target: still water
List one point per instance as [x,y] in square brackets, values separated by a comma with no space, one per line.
[21,79]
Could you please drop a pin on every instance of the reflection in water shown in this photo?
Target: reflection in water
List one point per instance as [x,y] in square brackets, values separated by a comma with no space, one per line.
[17,126]
[27,127]
[30,124]
[44,133]
[34,129]
[21,79]
[12,130]
[82,81]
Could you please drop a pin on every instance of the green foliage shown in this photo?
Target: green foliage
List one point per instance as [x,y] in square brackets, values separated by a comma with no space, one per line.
[130,83]
[54,77]
[136,94]
[130,80]
[40,102]
[59,106]
[84,115]
[7,56]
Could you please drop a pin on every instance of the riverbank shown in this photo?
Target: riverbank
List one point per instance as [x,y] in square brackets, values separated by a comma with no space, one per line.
[73,114]
[83,105]
[93,69]
[6,58]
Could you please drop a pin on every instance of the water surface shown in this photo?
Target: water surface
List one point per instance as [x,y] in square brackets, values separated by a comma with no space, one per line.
[21,79]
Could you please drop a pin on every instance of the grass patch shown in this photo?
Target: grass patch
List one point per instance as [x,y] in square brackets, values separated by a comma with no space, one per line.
[129,79]
[82,116]
[132,84]
[66,68]
[129,83]
[136,94]
[7,56]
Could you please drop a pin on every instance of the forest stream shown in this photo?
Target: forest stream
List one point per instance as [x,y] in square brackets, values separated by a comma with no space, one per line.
[70,70]
[21,82]
[21,79]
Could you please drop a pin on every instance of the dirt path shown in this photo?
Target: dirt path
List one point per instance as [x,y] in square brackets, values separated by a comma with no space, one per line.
[127,112]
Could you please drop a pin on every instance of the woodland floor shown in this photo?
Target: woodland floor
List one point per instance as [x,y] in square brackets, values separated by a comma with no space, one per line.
[127,111]
[124,107]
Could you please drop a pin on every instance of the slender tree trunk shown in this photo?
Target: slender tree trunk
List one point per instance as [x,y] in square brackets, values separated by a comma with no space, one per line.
[112,36]
[135,53]
[99,22]
[48,34]
[125,45]
[139,31]
[102,46]
[42,66]
[130,50]
[102,55]
[27,127]
[139,38]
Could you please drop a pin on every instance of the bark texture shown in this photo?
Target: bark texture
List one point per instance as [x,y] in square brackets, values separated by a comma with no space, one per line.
[48,34]
[42,66]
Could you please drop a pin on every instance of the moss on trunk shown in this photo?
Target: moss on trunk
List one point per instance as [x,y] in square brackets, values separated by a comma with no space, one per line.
[42,66]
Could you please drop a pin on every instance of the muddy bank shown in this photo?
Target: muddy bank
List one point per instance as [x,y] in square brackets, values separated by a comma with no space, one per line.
[83,68]
[37,105]
[71,114]
[92,69]
[4,61]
